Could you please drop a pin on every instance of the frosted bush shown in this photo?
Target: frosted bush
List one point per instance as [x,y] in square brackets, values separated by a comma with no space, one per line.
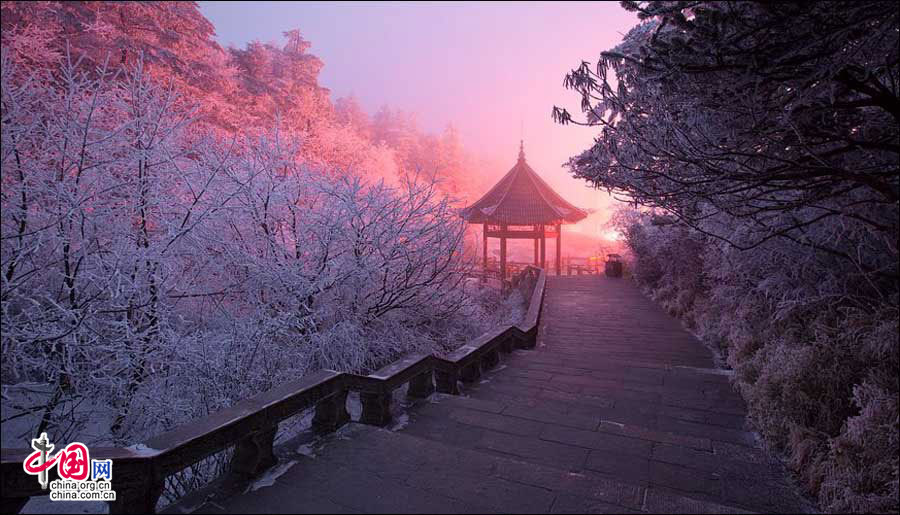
[155,270]
[813,344]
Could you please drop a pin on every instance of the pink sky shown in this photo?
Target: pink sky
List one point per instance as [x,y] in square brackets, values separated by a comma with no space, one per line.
[488,68]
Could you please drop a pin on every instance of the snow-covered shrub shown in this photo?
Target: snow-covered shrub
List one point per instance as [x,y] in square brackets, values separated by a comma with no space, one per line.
[814,348]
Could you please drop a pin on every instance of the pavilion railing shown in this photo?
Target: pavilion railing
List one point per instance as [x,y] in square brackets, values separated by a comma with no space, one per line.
[250,425]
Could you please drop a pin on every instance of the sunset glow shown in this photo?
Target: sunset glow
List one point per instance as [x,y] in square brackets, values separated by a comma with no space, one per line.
[612,235]
[492,70]
[449,257]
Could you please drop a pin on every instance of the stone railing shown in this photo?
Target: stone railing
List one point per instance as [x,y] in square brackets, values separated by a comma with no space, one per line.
[251,424]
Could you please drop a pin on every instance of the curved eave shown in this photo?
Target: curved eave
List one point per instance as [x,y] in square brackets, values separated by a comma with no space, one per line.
[540,205]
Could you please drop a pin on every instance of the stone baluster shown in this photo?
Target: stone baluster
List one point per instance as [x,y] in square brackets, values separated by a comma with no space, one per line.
[491,359]
[376,408]
[253,454]
[509,341]
[421,386]
[447,381]
[331,413]
[471,372]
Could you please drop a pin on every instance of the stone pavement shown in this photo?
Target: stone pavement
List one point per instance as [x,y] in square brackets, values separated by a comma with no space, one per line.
[617,410]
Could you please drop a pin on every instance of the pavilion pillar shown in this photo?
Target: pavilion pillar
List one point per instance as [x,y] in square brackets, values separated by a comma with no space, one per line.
[537,259]
[543,248]
[558,248]
[502,254]
[484,253]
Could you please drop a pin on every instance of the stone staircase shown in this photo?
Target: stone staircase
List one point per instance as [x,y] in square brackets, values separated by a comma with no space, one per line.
[617,410]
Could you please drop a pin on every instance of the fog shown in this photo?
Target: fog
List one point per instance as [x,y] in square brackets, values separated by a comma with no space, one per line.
[493,70]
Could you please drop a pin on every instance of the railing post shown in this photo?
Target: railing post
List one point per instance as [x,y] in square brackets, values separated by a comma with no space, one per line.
[376,408]
[490,360]
[471,372]
[509,343]
[421,386]
[529,339]
[524,339]
[137,488]
[331,413]
[254,454]
[447,381]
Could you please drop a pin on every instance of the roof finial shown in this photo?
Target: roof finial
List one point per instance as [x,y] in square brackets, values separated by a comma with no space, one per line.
[521,150]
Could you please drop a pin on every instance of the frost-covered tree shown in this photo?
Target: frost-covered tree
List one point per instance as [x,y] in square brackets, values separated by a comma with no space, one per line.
[153,269]
[234,89]
[172,39]
[760,143]
[714,108]
[103,186]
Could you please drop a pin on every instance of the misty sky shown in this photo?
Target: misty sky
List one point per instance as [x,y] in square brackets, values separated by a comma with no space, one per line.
[487,68]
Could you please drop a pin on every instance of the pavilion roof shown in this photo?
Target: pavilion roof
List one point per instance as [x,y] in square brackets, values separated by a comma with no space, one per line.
[521,197]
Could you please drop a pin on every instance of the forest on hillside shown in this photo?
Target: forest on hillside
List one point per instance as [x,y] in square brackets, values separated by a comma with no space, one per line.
[759,143]
[185,226]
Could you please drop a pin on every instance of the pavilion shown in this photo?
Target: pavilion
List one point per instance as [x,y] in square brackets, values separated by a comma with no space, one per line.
[522,206]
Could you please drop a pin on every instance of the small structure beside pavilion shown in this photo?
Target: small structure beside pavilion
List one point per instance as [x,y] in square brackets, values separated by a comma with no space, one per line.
[522,206]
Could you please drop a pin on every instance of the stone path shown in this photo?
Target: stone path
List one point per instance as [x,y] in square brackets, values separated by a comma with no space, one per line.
[617,410]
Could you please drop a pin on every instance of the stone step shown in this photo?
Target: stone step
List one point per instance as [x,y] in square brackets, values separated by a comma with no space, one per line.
[579,401]
[617,409]
[371,470]
[693,467]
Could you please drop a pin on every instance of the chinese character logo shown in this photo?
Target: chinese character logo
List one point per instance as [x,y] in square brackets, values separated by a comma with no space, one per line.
[101,469]
[71,462]
[42,447]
